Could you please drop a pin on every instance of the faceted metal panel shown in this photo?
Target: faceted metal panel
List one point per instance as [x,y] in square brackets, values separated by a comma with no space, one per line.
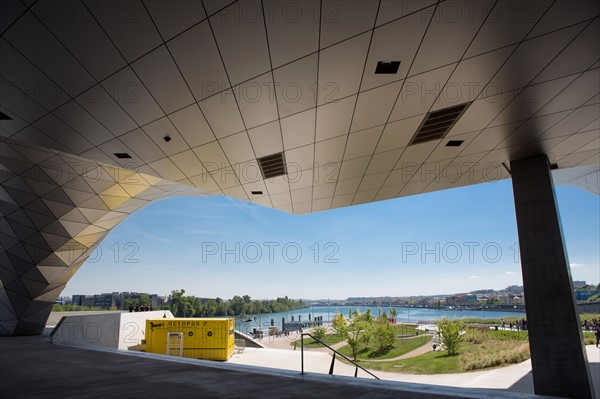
[47,230]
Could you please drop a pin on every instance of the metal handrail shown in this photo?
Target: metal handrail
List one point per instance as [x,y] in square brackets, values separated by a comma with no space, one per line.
[332,360]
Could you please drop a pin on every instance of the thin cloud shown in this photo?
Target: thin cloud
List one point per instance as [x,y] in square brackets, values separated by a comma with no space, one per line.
[509,272]
[576,265]
[473,277]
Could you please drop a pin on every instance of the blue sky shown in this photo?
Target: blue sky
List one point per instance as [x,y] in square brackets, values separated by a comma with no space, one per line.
[443,242]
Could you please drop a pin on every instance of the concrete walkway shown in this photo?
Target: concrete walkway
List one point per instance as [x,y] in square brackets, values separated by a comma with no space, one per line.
[32,368]
[516,377]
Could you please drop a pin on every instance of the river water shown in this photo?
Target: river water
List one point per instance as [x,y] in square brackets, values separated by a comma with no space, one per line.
[405,314]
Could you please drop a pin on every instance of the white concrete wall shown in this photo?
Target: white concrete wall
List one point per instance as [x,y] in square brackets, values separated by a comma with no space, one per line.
[110,329]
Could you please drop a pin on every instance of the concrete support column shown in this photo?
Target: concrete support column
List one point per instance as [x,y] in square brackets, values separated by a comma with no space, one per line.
[558,356]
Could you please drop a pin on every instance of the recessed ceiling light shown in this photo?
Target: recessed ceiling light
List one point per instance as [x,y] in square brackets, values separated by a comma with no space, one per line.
[387,67]
[122,155]
[454,143]
[258,192]
[4,117]
[167,138]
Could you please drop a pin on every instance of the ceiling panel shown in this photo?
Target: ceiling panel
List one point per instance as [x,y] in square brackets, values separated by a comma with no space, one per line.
[411,29]
[237,148]
[296,86]
[383,161]
[29,79]
[242,41]
[299,129]
[578,92]
[127,24]
[266,139]
[362,143]
[162,78]
[420,92]
[20,103]
[300,158]
[77,30]
[82,122]
[189,164]
[277,185]
[162,128]
[340,68]
[293,29]
[256,99]
[341,19]
[508,23]
[222,114]
[572,123]
[328,151]
[584,49]
[197,56]
[530,100]
[562,14]
[103,108]
[192,125]
[398,134]
[470,77]
[333,119]
[352,168]
[449,34]
[174,16]
[390,10]
[531,57]
[374,106]
[142,145]
[56,129]
[372,182]
[212,156]
[127,90]
[33,40]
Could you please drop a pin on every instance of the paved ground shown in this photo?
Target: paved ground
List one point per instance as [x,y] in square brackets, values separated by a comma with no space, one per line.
[32,368]
[517,377]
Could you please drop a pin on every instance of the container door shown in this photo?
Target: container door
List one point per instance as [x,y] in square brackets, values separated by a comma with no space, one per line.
[175,344]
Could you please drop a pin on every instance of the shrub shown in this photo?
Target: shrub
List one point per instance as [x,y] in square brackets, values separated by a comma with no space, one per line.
[450,333]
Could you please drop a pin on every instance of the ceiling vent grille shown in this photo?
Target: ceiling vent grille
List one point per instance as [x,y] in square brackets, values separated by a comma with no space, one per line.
[438,123]
[272,165]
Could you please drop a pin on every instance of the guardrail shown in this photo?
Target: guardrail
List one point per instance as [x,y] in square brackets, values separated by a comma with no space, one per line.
[332,360]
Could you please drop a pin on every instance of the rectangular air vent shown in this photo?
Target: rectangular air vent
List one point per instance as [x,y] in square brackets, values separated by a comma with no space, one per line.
[387,67]
[258,192]
[4,117]
[272,165]
[438,123]
[122,155]
[454,143]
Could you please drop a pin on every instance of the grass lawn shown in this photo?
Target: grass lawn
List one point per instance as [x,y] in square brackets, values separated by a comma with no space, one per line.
[404,329]
[401,347]
[329,339]
[429,363]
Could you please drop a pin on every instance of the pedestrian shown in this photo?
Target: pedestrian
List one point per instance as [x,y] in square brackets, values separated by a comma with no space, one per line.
[597,335]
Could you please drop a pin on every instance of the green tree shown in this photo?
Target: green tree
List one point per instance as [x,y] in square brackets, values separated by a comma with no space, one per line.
[358,334]
[340,326]
[319,333]
[383,334]
[450,334]
[393,313]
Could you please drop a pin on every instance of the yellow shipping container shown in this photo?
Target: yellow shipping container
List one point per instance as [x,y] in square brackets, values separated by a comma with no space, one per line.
[211,339]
